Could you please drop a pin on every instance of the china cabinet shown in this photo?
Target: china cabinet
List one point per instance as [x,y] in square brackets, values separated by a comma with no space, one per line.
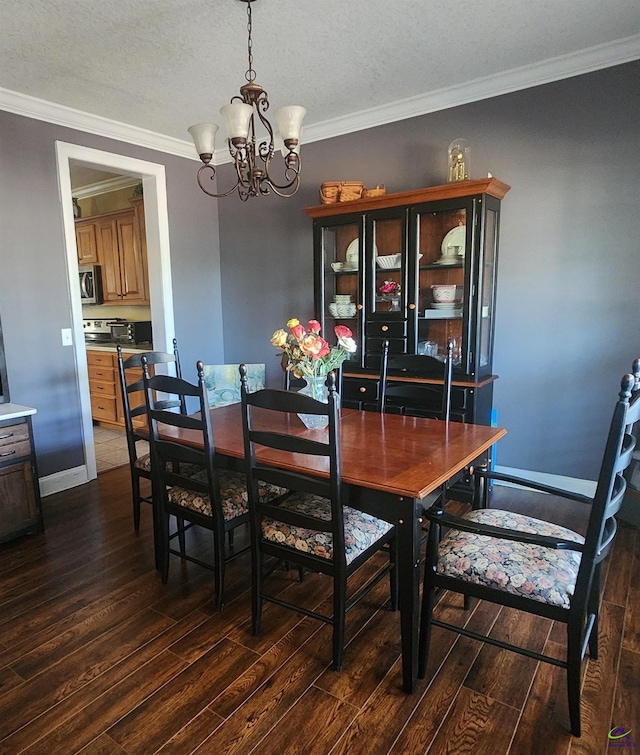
[418,269]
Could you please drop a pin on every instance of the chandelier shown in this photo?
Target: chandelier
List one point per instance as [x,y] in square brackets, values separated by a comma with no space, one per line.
[253,155]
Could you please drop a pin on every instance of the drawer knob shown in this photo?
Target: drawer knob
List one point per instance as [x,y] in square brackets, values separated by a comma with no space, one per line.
[358,306]
[8,435]
[362,389]
[8,453]
[412,306]
[385,328]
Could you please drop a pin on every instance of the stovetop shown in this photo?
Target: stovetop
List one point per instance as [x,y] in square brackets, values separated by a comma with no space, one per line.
[98,331]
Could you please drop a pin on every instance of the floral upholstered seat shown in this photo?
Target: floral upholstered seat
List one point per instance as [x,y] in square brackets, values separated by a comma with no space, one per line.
[544,574]
[143,463]
[360,530]
[233,493]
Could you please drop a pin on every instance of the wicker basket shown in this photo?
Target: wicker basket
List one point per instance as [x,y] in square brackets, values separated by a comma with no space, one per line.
[340,191]
[379,191]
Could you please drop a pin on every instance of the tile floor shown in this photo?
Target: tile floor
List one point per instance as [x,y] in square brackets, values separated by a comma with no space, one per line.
[111,448]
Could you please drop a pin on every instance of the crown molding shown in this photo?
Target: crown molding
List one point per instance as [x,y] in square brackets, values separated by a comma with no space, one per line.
[555,69]
[41,110]
[104,187]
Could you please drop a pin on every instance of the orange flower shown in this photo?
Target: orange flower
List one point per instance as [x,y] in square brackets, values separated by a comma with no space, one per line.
[314,346]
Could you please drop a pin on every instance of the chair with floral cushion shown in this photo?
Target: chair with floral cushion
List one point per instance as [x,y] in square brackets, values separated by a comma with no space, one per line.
[532,565]
[214,497]
[131,388]
[309,525]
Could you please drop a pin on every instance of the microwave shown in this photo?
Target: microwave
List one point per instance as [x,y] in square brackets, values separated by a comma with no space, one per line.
[90,284]
[131,331]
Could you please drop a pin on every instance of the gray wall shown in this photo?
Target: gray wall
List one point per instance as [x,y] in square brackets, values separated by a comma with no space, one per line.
[34,298]
[568,302]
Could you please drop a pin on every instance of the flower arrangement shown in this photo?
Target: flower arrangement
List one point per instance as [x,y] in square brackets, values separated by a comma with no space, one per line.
[389,289]
[307,354]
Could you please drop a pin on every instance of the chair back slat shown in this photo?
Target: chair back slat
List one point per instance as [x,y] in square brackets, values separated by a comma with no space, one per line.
[293,443]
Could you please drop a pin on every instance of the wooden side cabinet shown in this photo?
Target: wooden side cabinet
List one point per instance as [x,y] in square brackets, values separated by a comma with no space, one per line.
[20,505]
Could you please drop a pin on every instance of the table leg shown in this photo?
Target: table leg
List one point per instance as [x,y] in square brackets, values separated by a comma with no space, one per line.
[408,533]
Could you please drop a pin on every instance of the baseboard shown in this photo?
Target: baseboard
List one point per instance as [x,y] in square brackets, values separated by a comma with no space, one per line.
[59,481]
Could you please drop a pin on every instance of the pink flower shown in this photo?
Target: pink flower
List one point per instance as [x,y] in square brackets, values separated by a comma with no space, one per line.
[298,331]
[314,326]
[342,331]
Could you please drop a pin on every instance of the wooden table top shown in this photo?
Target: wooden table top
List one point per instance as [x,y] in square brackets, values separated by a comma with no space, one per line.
[403,455]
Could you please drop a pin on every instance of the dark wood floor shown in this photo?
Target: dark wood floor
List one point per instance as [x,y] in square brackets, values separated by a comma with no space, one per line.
[97,656]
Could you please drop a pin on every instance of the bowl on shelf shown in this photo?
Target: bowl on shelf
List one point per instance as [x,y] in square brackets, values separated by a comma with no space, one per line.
[444,293]
[342,310]
[389,261]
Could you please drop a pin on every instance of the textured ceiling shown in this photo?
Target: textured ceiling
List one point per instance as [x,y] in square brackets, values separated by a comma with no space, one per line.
[162,65]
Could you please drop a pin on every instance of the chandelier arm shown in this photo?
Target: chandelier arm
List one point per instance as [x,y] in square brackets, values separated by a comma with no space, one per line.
[211,177]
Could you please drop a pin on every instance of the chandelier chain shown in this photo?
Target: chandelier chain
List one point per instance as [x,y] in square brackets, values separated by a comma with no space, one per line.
[250,74]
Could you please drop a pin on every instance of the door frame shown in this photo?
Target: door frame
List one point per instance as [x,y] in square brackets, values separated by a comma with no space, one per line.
[154,186]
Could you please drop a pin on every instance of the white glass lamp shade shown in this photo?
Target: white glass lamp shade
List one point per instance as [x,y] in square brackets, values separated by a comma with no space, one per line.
[289,121]
[283,147]
[204,137]
[237,117]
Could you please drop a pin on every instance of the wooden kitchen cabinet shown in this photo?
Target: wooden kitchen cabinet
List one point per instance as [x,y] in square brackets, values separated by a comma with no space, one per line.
[86,242]
[117,242]
[104,389]
[20,506]
[121,257]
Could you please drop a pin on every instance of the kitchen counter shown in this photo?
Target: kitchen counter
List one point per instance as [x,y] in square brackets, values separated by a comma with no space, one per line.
[112,347]
[13,411]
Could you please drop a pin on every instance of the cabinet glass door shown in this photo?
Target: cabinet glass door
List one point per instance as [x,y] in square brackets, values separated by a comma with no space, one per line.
[487,290]
[444,247]
[341,262]
[389,263]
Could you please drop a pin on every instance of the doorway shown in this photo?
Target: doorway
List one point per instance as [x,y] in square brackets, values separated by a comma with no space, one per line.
[152,176]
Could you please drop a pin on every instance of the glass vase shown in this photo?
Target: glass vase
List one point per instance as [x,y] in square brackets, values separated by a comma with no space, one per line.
[316,388]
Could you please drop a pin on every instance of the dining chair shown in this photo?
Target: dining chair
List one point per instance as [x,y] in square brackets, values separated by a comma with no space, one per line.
[309,525]
[214,497]
[406,396]
[533,565]
[132,390]
[409,397]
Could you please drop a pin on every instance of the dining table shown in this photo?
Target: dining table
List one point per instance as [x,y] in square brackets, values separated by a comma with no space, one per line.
[393,467]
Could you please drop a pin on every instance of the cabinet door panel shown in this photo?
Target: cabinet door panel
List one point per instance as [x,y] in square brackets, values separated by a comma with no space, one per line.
[86,244]
[107,239]
[131,263]
[19,508]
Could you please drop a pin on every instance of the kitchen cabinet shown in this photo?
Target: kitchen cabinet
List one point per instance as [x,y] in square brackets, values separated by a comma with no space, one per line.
[381,267]
[20,506]
[105,392]
[86,242]
[117,242]
[120,254]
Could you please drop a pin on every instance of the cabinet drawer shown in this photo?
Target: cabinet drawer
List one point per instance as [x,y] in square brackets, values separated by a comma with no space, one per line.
[97,388]
[387,329]
[101,374]
[103,359]
[103,407]
[17,450]
[360,390]
[12,434]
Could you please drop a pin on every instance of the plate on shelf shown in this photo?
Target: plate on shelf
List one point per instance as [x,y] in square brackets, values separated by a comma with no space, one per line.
[352,255]
[446,305]
[442,314]
[455,237]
